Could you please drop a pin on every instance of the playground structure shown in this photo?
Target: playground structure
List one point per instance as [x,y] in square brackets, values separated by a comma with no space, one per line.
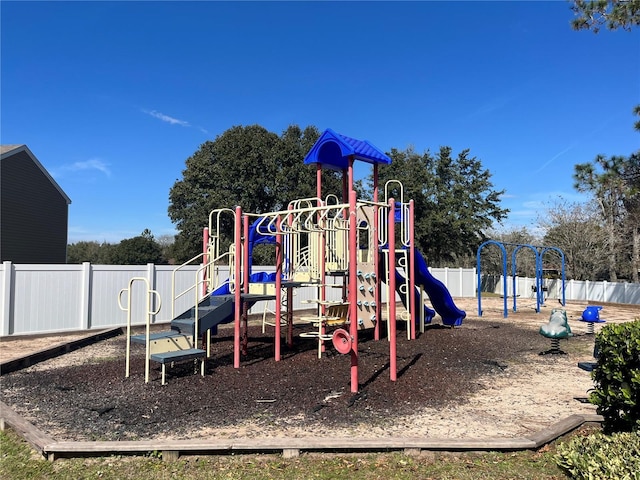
[366,244]
[539,287]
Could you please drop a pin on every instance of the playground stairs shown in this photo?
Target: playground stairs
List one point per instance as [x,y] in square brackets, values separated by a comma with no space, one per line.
[178,344]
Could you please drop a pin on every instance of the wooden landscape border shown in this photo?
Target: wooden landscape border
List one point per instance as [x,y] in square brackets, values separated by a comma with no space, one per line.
[57,350]
[287,446]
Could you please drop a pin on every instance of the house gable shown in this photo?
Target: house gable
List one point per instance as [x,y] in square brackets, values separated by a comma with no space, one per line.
[33,209]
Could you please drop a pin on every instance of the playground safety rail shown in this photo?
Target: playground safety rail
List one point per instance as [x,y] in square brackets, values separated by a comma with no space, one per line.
[149,312]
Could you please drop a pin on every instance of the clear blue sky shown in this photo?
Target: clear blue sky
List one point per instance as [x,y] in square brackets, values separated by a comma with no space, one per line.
[113,97]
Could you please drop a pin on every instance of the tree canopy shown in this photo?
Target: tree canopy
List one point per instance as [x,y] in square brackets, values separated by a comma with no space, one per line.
[138,250]
[613,185]
[247,166]
[594,14]
[576,229]
[92,252]
[454,199]
[613,182]
[492,261]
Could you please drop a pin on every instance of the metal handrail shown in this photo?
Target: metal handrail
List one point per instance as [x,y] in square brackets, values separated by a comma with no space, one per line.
[148,313]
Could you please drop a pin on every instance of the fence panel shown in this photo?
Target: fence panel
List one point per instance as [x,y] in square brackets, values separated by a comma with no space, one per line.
[107,281]
[578,289]
[46,298]
[59,298]
[185,279]
[632,294]
[614,292]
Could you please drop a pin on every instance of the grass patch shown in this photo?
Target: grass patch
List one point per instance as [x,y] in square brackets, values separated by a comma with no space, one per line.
[19,462]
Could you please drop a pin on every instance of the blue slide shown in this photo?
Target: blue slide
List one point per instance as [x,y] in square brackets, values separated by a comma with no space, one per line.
[428,313]
[400,280]
[258,233]
[438,294]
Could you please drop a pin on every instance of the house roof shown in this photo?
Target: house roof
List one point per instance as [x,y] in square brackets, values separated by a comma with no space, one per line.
[7,148]
[7,151]
[333,150]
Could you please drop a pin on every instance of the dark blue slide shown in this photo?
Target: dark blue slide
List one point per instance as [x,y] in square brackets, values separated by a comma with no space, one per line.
[438,294]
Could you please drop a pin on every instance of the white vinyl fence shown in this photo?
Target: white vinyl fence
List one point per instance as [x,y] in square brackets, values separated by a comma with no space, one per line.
[579,290]
[38,299]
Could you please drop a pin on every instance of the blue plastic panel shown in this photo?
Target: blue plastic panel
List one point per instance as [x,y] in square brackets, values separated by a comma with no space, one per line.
[333,150]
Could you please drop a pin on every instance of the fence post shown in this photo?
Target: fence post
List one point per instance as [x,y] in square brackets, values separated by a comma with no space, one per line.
[85,297]
[7,296]
[447,282]
[151,277]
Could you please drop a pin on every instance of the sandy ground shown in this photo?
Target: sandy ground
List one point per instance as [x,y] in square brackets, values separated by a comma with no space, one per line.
[528,397]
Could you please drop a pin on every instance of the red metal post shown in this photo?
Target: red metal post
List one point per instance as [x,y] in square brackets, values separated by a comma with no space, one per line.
[278,309]
[350,176]
[376,255]
[237,238]
[245,283]
[353,289]
[392,292]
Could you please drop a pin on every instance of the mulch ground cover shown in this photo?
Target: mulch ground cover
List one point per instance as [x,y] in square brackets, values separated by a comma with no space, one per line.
[93,400]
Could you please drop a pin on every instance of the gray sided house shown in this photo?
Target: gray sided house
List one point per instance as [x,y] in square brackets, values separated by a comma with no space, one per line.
[34,210]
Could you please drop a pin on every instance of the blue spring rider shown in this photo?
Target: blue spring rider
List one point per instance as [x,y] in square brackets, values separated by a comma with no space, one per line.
[591,315]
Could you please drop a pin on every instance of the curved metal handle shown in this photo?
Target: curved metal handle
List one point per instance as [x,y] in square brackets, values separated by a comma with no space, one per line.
[157,294]
[120,297]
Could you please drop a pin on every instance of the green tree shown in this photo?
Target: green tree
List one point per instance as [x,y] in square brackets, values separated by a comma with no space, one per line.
[576,229]
[455,201]
[592,14]
[603,178]
[293,179]
[232,170]
[246,166]
[92,252]
[526,261]
[630,174]
[138,250]
[166,242]
[614,14]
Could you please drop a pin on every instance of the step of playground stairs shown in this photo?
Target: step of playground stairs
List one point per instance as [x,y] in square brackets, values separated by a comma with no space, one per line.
[167,341]
[184,326]
[185,323]
[203,310]
[178,356]
[142,338]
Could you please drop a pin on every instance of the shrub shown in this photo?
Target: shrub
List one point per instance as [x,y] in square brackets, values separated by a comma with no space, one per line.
[617,377]
[599,456]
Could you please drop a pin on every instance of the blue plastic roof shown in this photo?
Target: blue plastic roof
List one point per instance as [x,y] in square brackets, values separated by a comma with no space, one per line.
[333,150]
